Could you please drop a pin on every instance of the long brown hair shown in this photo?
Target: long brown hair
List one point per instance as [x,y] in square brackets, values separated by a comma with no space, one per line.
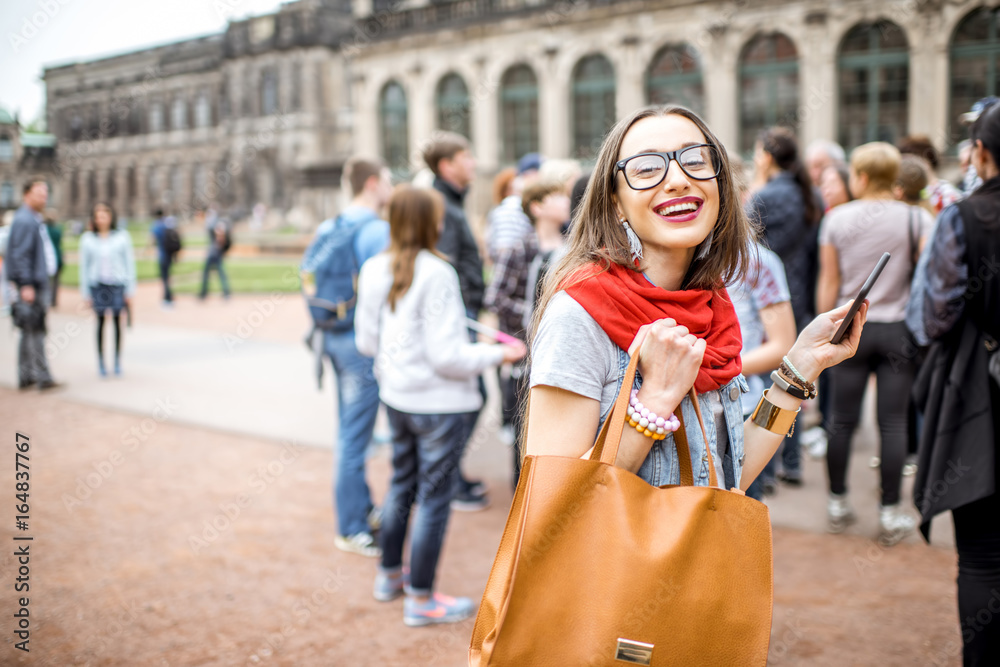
[414,216]
[598,237]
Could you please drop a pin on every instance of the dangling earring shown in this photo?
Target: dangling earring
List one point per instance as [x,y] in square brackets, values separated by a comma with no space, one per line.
[705,246]
[634,244]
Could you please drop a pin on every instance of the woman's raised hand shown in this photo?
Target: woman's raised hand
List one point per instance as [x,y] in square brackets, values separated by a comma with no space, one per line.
[669,359]
[813,352]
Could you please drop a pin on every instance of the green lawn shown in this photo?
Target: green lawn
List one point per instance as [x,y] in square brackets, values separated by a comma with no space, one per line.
[245,275]
[141,237]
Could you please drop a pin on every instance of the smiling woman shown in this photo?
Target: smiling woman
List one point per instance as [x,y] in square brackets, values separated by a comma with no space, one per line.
[659,234]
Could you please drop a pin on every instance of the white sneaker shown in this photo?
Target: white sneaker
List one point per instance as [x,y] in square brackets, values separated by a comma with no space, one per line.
[814,440]
[839,514]
[894,524]
[360,543]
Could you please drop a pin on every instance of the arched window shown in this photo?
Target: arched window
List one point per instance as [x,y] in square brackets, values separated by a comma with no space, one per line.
[393,121]
[111,186]
[674,77]
[202,111]
[74,189]
[178,114]
[769,86]
[155,117]
[873,79]
[153,187]
[7,195]
[269,93]
[135,119]
[6,148]
[91,188]
[593,104]
[130,186]
[454,106]
[975,64]
[75,126]
[518,113]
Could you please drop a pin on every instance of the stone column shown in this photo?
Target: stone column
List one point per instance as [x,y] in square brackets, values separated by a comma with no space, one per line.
[721,85]
[928,89]
[419,115]
[485,98]
[629,71]
[554,119]
[143,206]
[817,84]
[121,187]
[365,118]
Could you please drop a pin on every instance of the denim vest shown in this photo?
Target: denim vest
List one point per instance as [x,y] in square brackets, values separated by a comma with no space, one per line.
[662,466]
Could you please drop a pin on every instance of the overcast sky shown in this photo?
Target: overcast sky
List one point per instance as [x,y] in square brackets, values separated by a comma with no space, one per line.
[37,33]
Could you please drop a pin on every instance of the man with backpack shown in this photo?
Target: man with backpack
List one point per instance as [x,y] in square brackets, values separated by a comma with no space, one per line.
[168,245]
[332,261]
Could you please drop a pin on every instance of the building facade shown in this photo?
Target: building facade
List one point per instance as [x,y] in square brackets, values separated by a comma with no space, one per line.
[269,110]
[23,155]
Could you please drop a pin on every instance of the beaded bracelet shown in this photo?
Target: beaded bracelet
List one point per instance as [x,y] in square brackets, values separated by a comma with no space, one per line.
[647,422]
[792,373]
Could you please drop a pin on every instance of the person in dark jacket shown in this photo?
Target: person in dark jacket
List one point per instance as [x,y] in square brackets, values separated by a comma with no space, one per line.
[956,302]
[788,209]
[449,156]
[31,261]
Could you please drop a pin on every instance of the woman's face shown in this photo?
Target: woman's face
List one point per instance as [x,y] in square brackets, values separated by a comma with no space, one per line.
[695,203]
[831,187]
[102,218]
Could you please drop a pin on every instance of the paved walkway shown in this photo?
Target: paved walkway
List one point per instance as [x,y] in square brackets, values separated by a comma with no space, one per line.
[241,366]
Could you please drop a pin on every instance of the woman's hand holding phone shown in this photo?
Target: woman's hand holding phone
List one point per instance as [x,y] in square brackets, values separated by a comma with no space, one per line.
[813,352]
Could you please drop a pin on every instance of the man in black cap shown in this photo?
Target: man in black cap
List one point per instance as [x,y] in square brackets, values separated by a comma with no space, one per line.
[971,179]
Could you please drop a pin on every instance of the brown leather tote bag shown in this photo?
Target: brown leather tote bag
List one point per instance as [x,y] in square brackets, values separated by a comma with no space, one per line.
[597,567]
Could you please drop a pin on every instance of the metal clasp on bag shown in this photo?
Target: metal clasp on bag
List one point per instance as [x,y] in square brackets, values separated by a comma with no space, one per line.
[633,652]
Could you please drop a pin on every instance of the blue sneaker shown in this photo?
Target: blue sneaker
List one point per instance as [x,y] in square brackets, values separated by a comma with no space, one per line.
[437,608]
[389,585]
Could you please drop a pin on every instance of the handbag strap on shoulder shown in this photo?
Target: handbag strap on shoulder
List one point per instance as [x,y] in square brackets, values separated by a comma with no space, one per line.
[610,437]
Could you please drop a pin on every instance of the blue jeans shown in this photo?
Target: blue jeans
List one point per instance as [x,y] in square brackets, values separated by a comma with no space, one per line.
[165,262]
[214,260]
[357,406]
[425,454]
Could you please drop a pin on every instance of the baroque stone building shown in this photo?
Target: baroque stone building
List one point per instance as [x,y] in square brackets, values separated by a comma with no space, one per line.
[269,110]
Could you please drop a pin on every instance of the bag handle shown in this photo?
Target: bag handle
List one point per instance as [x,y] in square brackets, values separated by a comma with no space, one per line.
[606,451]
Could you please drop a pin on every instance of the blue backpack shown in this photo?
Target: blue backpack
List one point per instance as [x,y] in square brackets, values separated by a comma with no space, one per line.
[333,262]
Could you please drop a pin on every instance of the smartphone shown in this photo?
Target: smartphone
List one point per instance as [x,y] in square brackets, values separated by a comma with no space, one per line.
[845,326]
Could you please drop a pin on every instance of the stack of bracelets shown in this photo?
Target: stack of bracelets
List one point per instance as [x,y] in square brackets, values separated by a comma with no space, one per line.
[647,422]
[788,379]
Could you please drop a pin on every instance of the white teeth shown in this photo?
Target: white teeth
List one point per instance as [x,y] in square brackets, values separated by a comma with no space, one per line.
[686,207]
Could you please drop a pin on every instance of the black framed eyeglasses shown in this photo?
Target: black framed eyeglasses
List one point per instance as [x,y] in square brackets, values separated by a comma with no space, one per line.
[701,162]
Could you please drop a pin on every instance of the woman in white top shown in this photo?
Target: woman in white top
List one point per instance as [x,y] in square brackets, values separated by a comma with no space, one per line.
[410,318]
[107,275]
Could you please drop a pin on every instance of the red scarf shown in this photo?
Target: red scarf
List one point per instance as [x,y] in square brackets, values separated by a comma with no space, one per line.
[621,301]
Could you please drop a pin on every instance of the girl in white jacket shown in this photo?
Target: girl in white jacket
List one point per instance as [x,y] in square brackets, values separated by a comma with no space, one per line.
[410,318]
[107,275]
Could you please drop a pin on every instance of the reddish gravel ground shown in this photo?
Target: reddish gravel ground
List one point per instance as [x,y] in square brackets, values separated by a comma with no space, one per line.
[185,546]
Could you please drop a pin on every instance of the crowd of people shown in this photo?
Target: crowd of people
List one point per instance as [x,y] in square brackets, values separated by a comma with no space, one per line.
[718,275]
[815,222]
